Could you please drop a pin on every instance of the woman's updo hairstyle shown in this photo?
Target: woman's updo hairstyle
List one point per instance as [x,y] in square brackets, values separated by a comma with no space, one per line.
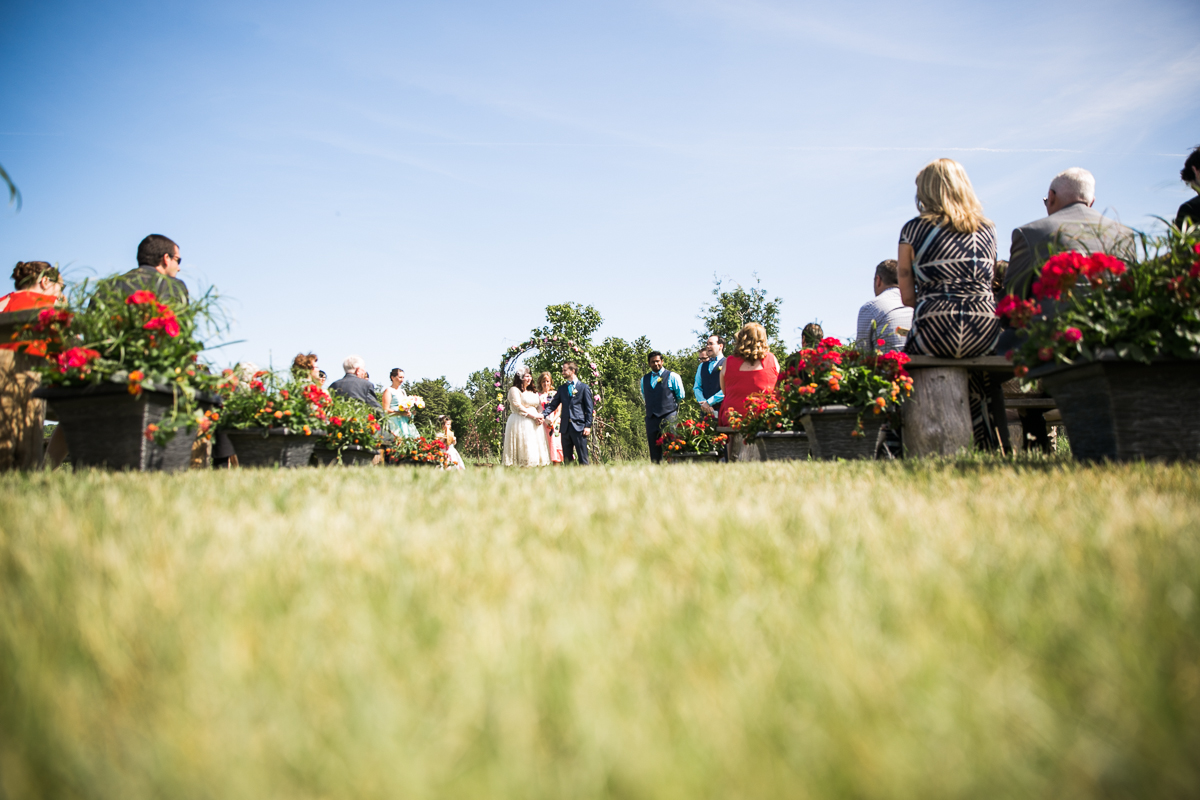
[26,274]
[751,342]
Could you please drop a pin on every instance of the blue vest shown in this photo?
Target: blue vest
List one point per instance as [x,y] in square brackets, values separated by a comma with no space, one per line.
[660,401]
[710,383]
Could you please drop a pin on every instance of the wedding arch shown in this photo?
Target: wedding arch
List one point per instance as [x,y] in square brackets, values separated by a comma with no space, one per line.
[563,349]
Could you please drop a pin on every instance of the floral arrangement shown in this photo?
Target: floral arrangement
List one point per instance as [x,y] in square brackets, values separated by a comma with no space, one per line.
[764,414]
[351,422]
[98,336]
[417,451]
[1147,308]
[409,402]
[692,435]
[268,400]
[830,373]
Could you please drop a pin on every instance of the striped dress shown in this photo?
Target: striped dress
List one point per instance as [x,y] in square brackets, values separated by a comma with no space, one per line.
[955,315]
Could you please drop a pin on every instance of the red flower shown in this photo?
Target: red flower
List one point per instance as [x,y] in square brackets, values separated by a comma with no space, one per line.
[1072,335]
[1194,272]
[1102,262]
[1021,371]
[1018,312]
[258,386]
[49,317]
[165,321]
[1046,353]
[140,297]
[74,358]
[283,393]
[337,421]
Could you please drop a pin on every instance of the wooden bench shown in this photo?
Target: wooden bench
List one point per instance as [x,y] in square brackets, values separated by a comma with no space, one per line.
[21,415]
[937,418]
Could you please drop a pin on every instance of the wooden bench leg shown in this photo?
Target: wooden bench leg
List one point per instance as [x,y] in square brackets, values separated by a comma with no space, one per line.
[937,418]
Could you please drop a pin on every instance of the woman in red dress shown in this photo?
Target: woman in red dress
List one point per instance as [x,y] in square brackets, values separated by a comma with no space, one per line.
[38,284]
[751,368]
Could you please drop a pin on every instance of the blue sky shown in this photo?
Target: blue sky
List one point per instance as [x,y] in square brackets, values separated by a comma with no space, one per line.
[415,182]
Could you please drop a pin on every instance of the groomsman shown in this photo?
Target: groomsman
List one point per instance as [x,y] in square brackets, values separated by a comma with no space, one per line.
[662,390]
[707,388]
[575,424]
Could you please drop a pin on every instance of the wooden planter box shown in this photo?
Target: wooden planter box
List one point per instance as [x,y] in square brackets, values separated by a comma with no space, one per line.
[105,426]
[352,456]
[712,457]
[783,445]
[829,430]
[272,447]
[1124,410]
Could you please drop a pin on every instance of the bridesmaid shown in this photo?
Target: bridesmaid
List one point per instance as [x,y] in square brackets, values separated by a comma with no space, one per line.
[553,437]
[399,421]
[752,368]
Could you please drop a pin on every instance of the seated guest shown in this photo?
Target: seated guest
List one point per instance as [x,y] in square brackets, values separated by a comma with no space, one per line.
[158,265]
[946,256]
[891,317]
[1070,224]
[812,335]
[1190,174]
[707,386]
[662,390]
[354,383]
[304,367]
[752,368]
[37,284]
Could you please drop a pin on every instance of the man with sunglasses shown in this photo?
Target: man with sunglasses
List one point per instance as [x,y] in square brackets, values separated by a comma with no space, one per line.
[158,265]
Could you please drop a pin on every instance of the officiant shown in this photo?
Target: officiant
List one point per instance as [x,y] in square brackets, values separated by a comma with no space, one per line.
[662,390]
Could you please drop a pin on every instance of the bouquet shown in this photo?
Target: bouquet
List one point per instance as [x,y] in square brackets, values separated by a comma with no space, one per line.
[98,336]
[1147,308]
[417,451]
[692,435]
[269,400]
[409,402]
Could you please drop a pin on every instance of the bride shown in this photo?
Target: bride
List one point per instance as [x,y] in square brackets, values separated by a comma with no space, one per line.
[524,440]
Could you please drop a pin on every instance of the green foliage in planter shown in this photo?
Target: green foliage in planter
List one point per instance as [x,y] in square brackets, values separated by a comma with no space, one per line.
[97,335]
[1143,308]
[351,422]
[272,400]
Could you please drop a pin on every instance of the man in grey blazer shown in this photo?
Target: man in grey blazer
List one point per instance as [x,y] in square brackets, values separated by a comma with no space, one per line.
[354,383]
[1070,224]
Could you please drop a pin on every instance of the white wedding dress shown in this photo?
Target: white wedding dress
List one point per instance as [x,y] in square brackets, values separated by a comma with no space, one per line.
[524,438]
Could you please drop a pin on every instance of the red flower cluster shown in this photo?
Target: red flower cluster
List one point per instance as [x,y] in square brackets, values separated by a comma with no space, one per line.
[51,318]
[1017,312]
[165,321]
[1062,271]
[76,358]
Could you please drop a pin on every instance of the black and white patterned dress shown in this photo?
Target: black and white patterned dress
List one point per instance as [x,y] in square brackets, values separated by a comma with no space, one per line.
[956,310]
[955,315]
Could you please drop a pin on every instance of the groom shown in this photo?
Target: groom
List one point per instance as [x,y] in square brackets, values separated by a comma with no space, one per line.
[576,422]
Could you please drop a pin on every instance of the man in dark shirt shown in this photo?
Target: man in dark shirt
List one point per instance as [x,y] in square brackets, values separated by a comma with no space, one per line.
[1190,174]
[158,263]
[354,383]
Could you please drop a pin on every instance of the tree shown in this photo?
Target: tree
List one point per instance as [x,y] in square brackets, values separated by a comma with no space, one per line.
[733,308]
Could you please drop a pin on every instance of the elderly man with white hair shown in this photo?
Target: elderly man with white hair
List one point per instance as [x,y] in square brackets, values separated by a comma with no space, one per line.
[354,383]
[1071,224]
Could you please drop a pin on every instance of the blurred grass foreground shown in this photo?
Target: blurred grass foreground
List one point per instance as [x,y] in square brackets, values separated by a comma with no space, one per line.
[793,630]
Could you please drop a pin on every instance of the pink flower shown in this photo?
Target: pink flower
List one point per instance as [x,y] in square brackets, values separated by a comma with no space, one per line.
[500,407]
[1072,335]
[140,297]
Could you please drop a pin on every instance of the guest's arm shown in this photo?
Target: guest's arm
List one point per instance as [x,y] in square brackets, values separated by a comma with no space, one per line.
[908,287]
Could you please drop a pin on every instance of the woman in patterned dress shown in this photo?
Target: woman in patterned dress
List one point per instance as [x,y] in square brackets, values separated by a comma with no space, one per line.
[946,257]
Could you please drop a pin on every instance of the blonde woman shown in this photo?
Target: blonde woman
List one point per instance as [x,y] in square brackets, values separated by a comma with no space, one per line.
[946,257]
[752,367]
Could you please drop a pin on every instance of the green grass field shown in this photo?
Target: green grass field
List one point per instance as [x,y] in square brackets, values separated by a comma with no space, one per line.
[967,629]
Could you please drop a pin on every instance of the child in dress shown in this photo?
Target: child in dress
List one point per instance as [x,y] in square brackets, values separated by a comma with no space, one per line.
[447,436]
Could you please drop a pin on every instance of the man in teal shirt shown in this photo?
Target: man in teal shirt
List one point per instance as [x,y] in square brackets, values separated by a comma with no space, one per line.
[707,387]
[661,390]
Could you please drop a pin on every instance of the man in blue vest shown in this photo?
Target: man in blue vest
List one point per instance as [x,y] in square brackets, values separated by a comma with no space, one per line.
[707,388]
[661,390]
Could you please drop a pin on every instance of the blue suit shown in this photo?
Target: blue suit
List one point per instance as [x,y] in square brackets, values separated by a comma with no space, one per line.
[577,409]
